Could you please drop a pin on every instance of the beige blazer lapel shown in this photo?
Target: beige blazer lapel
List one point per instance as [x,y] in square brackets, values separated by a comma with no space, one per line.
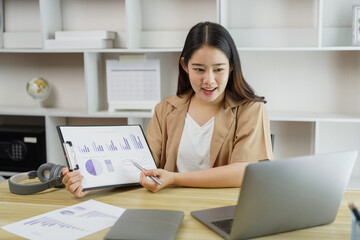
[223,123]
[175,124]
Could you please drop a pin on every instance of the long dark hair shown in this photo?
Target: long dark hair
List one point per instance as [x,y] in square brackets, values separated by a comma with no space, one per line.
[215,35]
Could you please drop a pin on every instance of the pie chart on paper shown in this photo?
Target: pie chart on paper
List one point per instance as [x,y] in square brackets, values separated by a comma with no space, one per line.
[93,167]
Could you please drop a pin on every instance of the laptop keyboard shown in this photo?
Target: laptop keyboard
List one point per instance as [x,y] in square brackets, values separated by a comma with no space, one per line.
[224,224]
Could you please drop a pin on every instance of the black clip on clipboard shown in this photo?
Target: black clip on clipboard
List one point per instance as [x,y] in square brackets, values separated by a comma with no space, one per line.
[70,156]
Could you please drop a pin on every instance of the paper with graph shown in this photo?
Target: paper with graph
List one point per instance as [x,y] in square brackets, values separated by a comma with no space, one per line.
[72,222]
[103,154]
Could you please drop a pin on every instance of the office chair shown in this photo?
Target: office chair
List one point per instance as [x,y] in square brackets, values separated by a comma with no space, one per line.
[272,141]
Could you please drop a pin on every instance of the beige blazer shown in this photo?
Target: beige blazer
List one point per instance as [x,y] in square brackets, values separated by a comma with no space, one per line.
[241,132]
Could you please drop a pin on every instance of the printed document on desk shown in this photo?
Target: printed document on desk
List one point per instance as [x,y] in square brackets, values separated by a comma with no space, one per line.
[104,154]
[72,222]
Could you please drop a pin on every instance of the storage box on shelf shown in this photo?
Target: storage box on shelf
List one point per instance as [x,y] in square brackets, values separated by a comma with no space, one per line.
[298,54]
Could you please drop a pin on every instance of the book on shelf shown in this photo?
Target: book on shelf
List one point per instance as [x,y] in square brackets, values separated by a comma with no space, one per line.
[78,44]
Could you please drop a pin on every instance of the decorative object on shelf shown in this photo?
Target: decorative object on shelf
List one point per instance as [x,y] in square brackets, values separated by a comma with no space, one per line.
[356,25]
[38,88]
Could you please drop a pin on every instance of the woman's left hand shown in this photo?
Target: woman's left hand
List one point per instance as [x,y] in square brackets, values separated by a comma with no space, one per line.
[167,178]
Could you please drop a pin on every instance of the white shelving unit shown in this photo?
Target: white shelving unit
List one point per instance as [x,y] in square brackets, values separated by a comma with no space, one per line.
[297,53]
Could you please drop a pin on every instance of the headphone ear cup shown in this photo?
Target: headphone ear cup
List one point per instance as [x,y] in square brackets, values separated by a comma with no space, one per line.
[42,169]
[55,173]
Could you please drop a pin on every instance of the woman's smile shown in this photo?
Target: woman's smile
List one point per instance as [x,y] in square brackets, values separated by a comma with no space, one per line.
[208,91]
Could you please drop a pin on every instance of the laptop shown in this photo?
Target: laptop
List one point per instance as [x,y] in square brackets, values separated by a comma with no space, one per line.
[284,195]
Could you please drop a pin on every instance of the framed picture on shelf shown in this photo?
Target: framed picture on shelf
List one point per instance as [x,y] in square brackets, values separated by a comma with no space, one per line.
[356,25]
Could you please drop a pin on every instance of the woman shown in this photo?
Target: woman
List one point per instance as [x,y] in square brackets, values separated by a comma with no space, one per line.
[216,125]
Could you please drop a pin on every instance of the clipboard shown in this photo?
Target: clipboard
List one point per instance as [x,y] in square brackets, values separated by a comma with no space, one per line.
[104,154]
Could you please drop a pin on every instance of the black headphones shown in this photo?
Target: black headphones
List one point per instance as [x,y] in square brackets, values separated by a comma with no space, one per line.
[53,180]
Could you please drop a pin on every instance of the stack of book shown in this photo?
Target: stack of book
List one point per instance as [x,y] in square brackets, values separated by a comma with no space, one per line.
[81,40]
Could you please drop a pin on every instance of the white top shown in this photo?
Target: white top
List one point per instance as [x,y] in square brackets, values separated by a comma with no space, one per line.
[194,147]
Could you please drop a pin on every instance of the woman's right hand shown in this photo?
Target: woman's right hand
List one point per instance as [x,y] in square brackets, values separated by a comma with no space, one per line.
[166,177]
[73,182]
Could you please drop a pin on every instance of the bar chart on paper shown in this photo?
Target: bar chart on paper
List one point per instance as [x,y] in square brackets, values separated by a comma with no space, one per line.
[125,144]
[83,149]
[136,141]
[97,148]
[128,143]
[50,222]
[111,146]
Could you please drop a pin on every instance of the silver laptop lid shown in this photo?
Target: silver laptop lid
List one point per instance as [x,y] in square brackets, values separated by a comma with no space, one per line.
[290,194]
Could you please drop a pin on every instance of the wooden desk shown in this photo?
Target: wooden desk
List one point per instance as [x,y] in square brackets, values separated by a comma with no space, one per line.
[14,208]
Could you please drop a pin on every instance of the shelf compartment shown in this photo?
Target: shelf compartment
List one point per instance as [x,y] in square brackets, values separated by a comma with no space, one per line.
[95,73]
[334,137]
[337,36]
[275,38]
[162,24]
[337,23]
[323,82]
[24,31]
[290,24]
[64,73]
[295,136]
[83,15]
